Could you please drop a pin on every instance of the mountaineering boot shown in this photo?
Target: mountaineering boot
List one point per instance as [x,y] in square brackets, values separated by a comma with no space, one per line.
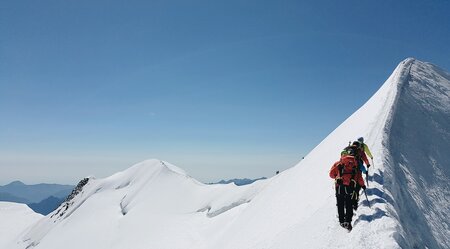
[349,226]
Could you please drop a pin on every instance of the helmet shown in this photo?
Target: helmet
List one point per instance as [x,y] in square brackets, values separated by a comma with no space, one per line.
[361,140]
[357,144]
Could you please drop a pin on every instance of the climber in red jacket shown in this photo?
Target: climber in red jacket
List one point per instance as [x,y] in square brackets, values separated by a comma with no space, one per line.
[347,177]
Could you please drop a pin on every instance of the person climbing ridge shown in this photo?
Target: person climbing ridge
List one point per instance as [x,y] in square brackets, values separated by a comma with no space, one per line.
[347,179]
[365,147]
[360,158]
[366,150]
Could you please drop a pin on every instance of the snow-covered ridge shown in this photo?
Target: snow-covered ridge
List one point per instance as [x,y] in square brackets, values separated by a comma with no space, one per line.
[417,161]
[392,210]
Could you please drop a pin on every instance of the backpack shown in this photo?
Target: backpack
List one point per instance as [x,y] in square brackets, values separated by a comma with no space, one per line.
[347,169]
[350,150]
[348,164]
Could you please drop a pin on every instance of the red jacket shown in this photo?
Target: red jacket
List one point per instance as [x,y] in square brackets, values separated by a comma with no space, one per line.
[347,171]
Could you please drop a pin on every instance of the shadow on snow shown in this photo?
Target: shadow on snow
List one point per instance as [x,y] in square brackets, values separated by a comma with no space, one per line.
[378,214]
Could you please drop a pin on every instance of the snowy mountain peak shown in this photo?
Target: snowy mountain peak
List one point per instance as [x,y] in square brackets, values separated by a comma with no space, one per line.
[426,74]
[152,165]
[151,192]
[406,63]
[145,172]
[430,85]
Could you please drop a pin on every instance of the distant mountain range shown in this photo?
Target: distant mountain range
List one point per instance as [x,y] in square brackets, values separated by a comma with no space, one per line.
[42,198]
[239,182]
[12,198]
[46,206]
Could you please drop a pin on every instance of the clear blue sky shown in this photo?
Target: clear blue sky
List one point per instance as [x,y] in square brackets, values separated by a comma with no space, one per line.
[222,89]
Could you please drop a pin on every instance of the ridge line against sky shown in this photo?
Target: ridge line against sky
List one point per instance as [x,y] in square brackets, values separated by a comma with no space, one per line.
[223,90]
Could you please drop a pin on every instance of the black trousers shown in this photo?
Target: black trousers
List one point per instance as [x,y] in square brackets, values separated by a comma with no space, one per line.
[344,203]
[356,196]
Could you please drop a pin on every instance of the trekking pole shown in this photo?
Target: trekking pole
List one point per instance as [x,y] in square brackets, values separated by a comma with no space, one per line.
[372,163]
[368,202]
[367,177]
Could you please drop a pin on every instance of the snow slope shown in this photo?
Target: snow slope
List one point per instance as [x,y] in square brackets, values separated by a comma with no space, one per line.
[150,205]
[14,219]
[157,205]
[407,126]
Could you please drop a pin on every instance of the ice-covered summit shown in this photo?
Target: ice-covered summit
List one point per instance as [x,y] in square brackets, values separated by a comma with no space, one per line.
[155,204]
